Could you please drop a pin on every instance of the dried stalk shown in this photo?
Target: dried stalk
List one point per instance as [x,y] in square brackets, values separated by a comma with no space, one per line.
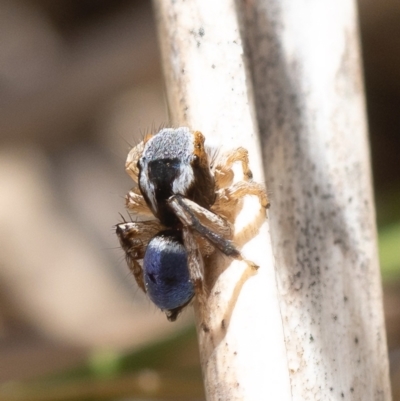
[310,106]
[242,351]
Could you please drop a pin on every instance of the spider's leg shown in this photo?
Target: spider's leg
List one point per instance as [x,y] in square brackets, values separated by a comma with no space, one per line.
[134,237]
[223,170]
[227,198]
[131,162]
[195,266]
[207,224]
[195,260]
[196,272]
[135,202]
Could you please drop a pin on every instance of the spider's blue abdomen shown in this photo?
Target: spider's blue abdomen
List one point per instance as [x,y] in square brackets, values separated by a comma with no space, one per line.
[165,269]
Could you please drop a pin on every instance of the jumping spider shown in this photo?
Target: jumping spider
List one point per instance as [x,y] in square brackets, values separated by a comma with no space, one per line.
[191,193]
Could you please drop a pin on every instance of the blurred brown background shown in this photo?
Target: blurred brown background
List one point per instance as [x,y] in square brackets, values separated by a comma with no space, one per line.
[80,81]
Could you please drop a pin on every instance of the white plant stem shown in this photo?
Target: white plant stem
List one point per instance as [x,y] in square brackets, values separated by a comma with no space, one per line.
[242,350]
[310,104]
[325,338]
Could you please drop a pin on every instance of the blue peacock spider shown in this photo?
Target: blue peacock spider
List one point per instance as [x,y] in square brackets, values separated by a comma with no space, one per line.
[192,194]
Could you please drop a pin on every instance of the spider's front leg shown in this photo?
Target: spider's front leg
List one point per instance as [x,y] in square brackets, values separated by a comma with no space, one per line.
[134,238]
[207,224]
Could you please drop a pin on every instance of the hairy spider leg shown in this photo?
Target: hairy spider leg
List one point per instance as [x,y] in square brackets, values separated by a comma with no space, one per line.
[184,210]
[134,238]
[135,202]
[223,172]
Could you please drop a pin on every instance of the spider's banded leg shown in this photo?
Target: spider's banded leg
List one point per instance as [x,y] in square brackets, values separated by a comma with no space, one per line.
[223,170]
[135,202]
[189,214]
[134,237]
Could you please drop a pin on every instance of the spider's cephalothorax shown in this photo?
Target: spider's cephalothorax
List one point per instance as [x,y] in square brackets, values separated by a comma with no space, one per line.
[193,198]
[174,162]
